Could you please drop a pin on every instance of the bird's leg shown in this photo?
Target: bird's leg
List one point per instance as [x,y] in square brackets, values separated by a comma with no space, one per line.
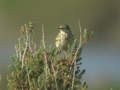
[59,51]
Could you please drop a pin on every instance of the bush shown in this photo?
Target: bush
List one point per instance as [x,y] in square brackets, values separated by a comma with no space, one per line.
[46,68]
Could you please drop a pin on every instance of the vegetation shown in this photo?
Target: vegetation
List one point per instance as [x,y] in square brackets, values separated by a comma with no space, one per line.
[45,67]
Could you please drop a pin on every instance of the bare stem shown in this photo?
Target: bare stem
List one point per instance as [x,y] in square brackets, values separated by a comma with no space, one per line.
[54,75]
[46,64]
[26,45]
[80,43]
[19,48]
[28,78]
[76,53]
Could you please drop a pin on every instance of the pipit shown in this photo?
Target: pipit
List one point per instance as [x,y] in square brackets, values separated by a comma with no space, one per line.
[64,39]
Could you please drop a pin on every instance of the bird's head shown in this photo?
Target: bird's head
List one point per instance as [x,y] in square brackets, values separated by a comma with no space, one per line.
[63,27]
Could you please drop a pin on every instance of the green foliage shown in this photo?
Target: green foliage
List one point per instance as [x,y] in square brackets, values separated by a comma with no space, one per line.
[44,68]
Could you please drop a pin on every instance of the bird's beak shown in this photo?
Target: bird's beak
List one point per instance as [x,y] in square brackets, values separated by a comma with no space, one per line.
[58,29]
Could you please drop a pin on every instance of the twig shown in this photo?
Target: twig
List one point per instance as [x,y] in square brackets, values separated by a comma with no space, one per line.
[46,68]
[74,59]
[43,37]
[80,42]
[26,46]
[29,40]
[28,78]
[54,75]
[19,48]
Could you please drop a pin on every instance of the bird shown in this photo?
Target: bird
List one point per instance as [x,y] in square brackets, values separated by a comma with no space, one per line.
[64,39]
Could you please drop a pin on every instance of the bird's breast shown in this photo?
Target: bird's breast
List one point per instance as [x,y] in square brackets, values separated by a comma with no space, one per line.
[61,39]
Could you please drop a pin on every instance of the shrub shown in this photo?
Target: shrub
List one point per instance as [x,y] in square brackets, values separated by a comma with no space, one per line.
[46,68]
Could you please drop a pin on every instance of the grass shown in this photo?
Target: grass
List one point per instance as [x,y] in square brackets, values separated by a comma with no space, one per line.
[44,67]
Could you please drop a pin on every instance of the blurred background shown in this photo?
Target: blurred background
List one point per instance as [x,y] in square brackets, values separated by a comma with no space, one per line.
[101,57]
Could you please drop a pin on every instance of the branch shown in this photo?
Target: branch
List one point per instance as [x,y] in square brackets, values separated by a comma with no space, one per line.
[75,57]
[26,45]
[46,63]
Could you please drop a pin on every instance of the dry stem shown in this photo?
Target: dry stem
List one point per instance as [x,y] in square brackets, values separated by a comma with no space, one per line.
[26,46]
[54,75]
[46,63]
[75,57]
